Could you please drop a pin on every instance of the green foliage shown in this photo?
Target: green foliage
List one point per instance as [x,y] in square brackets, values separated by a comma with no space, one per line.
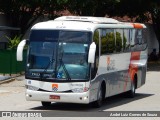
[124,43]
[103,45]
[13,43]
[96,37]
[135,9]
[90,7]
[140,11]
[110,44]
[118,42]
[23,13]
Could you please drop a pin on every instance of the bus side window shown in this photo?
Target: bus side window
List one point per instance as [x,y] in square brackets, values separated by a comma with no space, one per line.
[127,39]
[94,67]
[138,39]
[120,43]
[107,41]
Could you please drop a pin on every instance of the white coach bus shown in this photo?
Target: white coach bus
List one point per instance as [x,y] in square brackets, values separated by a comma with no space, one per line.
[75,59]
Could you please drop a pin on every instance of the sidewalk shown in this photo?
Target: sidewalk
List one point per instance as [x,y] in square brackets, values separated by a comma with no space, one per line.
[5,79]
[153,65]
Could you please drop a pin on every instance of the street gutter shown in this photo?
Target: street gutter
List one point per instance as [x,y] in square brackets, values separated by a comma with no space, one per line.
[7,80]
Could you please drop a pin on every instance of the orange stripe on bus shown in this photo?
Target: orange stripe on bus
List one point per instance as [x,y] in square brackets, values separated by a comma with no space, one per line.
[133,68]
[137,25]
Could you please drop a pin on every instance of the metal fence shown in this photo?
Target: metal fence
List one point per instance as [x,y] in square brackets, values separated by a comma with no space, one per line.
[9,64]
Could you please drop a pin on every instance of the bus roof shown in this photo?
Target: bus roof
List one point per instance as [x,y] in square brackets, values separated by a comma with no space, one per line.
[99,20]
[85,23]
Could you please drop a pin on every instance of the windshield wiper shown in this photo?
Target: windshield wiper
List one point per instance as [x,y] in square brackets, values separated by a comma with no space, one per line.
[64,68]
[45,70]
[61,52]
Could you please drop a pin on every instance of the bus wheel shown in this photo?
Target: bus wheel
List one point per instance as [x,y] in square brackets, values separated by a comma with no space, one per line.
[131,93]
[46,104]
[99,101]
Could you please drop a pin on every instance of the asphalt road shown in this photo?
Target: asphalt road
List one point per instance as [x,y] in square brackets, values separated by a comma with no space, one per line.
[12,98]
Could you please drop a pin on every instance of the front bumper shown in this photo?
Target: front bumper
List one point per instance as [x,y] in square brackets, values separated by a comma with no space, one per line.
[64,97]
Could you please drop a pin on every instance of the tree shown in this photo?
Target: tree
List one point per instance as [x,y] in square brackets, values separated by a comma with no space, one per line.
[137,10]
[97,8]
[23,13]
[155,15]
[141,11]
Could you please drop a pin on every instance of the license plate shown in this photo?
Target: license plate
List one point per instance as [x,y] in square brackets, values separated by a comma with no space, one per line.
[54,97]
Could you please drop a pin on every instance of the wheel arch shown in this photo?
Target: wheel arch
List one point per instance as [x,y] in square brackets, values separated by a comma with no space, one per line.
[135,79]
[103,85]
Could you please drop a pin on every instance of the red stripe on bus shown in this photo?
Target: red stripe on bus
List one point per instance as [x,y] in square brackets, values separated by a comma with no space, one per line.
[133,68]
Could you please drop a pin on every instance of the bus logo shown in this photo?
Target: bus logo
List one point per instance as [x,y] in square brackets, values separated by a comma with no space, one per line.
[110,64]
[54,87]
[108,60]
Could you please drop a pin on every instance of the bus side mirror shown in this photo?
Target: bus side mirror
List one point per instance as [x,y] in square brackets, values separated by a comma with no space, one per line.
[20,50]
[92,51]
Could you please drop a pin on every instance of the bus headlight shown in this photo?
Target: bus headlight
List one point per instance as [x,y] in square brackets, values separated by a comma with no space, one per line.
[29,87]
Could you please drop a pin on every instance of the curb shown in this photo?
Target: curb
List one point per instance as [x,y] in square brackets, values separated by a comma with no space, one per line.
[7,80]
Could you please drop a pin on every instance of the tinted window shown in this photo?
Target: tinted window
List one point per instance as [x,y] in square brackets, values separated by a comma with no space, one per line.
[138,42]
[127,39]
[44,35]
[108,41]
[119,40]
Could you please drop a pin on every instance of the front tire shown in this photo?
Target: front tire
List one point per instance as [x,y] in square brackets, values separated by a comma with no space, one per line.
[46,104]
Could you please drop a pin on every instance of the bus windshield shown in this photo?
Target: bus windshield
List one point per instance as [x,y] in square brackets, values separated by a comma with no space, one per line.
[58,55]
